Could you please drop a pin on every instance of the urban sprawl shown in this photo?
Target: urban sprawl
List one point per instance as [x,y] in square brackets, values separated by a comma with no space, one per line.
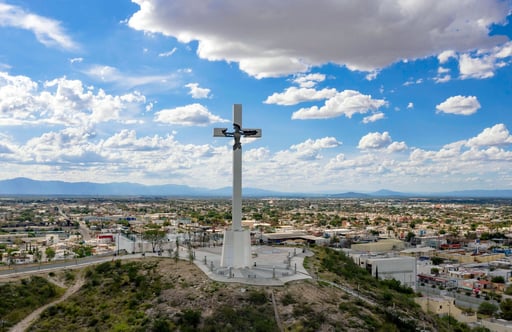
[435,246]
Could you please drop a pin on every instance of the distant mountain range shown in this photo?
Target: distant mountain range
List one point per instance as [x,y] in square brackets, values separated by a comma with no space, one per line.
[24,186]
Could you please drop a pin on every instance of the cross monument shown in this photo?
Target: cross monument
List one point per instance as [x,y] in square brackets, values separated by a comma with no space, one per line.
[236,248]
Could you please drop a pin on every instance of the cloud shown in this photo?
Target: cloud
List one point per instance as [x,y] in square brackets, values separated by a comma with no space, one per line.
[309,80]
[166,54]
[412,81]
[374,141]
[61,101]
[18,97]
[359,164]
[495,136]
[285,37]
[190,115]
[481,148]
[73,60]
[304,93]
[47,31]
[308,150]
[410,105]
[70,145]
[347,103]
[476,67]
[396,147]
[372,74]
[6,146]
[484,63]
[196,92]
[293,96]
[321,143]
[380,141]
[444,56]
[442,78]
[77,153]
[459,105]
[374,117]
[109,74]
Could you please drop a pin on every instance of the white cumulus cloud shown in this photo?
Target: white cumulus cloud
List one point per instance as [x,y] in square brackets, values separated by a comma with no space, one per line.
[197,92]
[460,105]
[444,56]
[61,101]
[293,96]
[484,63]
[309,80]
[309,150]
[494,136]
[189,115]
[347,103]
[374,141]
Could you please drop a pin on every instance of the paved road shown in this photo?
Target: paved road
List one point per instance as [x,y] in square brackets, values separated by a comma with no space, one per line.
[461,299]
[82,227]
[25,269]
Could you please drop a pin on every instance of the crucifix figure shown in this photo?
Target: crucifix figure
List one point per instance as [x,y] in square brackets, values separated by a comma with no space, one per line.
[232,254]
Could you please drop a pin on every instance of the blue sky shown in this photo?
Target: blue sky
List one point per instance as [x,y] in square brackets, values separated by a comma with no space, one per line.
[410,96]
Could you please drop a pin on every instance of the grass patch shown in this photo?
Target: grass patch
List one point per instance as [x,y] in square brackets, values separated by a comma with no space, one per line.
[21,298]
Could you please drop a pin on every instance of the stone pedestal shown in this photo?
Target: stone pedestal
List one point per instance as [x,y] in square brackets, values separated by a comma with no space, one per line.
[236,249]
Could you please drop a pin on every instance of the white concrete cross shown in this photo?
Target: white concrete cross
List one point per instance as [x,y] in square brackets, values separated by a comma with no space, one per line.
[238,132]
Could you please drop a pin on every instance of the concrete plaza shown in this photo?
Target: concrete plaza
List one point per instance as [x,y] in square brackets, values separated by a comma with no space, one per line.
[271,265]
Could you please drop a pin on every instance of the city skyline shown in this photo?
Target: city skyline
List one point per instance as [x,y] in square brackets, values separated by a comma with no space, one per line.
[412,97]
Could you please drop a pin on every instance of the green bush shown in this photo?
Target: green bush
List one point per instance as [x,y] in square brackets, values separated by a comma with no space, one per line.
[258,297]
[288,299]
[486,308]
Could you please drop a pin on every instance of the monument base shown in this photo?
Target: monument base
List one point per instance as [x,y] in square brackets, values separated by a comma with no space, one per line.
[236,249]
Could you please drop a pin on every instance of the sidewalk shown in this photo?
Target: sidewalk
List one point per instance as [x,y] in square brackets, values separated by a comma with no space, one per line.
[272,266]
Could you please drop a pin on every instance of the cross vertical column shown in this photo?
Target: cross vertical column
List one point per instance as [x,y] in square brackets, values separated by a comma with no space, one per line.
[236,207]
[236,247]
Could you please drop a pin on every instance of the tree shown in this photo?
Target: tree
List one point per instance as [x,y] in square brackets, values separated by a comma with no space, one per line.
[37,255]
[82,251]
[487,308]
[50,253]
[10,256]
[155,237]
[177,252]
[498,279]
[436,260]
[506,309]
[409,236]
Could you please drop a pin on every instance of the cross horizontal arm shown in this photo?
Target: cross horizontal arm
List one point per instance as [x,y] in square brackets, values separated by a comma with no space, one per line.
[223,132]
[219,132]
[251,132]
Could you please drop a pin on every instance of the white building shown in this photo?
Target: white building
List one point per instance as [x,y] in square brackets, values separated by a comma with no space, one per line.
[400,268]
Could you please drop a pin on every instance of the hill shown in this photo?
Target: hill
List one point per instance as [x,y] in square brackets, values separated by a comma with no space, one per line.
[159,294]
